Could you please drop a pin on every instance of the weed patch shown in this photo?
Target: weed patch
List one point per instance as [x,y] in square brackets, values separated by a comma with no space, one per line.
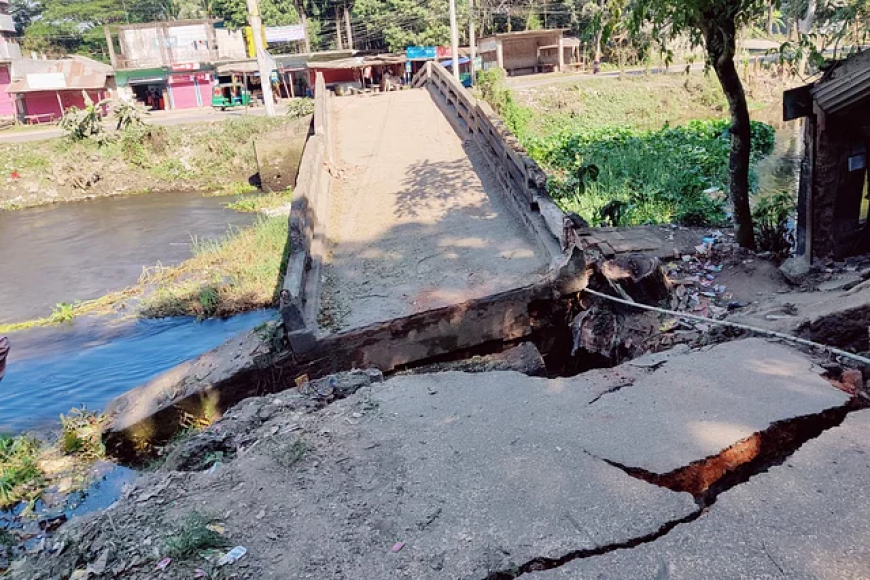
[672,175]
[194,536]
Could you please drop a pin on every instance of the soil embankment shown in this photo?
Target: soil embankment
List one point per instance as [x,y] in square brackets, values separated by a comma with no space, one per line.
[210,157]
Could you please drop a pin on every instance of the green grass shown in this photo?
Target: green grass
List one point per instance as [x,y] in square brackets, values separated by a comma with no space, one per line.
[82,434]
[662,176]
[658,145]
[259,203]
[237,273]
[21,479]
[216,156]
[240,272]
[193,537]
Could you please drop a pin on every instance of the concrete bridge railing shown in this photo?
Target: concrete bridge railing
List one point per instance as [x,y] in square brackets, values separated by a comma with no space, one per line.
[521,178]
[309,218]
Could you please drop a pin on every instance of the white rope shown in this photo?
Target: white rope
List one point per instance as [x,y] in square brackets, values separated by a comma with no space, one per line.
[755,329]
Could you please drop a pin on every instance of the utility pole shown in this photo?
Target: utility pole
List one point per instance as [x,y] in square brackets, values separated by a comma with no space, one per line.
[454,39]
[347,28]
[471,41]
[265,73]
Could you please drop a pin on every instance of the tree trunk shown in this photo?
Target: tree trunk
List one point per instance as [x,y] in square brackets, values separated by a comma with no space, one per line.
[770,18]
[720,43]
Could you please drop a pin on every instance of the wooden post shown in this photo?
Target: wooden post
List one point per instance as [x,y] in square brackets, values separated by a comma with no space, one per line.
[499,54]
[561,48]
[59,102]
[304,19]
[287,90]
[338,44]
[113,58]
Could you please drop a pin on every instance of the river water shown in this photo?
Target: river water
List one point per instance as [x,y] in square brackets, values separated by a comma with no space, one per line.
[90,362]
[83,250]
[79,251]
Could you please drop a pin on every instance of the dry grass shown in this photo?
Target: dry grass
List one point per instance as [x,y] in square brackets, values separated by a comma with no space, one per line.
[239,273]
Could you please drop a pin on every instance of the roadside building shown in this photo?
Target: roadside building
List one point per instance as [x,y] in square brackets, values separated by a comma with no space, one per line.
[358,72]
[529,51]
[9,51]
[171,65]
[832,212]
[43,89]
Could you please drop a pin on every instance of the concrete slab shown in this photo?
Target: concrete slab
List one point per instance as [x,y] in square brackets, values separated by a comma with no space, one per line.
[416,222]
[698,404]
[805,519]
[475,473]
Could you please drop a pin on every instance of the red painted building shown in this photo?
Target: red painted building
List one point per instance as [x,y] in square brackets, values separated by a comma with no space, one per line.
[44,89]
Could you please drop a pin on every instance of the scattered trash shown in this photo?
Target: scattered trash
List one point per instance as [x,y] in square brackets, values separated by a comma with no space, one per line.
[200,573]
[398,546]
[163,564]
[217,528]
[232,556]
[301,380]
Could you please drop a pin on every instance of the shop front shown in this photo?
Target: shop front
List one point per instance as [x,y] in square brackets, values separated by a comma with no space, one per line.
[148,87]
[189,90]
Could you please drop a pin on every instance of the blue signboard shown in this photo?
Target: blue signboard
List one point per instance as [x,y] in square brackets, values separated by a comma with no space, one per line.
[421,52]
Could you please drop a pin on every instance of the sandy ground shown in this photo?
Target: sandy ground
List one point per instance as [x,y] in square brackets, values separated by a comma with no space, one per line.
[416,222]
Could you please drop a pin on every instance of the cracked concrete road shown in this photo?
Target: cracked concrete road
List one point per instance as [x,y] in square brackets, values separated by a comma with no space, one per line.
[805,519]
[696,405]
[492,475]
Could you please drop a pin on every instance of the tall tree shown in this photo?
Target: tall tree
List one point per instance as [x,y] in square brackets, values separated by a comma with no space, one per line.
[714,24]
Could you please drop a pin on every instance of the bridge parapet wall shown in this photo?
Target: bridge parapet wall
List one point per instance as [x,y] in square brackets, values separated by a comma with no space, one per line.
[521,178]
[309,218]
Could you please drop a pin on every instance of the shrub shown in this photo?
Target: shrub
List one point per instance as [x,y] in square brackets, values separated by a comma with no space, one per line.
[668,175]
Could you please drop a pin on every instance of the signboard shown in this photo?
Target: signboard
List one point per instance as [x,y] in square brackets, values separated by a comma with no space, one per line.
[488,45]
[46,81]
[444,51]
[421,52]
[185,66]
[290,33]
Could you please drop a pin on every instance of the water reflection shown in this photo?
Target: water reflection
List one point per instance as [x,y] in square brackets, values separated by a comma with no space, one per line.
[83,250]
[52,370]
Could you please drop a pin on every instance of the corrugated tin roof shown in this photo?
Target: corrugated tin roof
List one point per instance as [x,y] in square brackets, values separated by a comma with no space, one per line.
[840,94]
[68,74]
[359,62]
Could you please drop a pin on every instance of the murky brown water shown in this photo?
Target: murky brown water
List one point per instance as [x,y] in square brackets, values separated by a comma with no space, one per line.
[79,251]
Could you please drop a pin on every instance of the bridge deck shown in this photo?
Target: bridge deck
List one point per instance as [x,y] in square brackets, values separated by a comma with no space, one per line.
[417,221]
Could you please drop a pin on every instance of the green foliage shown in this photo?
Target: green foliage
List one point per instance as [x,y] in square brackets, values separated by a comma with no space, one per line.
[63,312]
[396,24]
[80,124]
[20,476]
[274,12]
[82,434]
[663,176]
[492,89]
[771,215]
[300,107]
[127,115]
[194,536]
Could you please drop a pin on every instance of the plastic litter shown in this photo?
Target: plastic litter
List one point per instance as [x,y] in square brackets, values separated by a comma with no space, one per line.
[232,556]
[398,546]
[163,564]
